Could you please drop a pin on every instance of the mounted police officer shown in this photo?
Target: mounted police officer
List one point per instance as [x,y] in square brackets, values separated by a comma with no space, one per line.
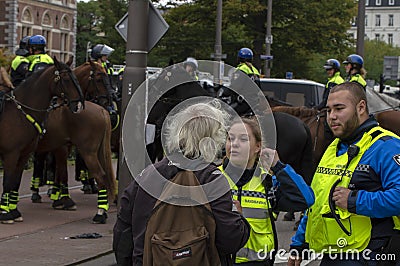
[38,57]
[39,60]
[191,67]
[245,59]
[332,68]
[20,64]
[355,70]
[100,53]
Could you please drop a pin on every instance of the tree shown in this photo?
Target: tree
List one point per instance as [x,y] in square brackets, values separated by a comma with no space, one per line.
[375,51]
[96,20]
[301,29]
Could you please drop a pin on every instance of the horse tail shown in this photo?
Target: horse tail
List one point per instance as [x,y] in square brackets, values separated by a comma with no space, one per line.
[104,155]
[307,157]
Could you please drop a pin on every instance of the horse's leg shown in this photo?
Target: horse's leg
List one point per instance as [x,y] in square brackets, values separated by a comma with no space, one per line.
[37,177]
[81,172]
[50,168]
[13,168]
[97,172]
[62,199]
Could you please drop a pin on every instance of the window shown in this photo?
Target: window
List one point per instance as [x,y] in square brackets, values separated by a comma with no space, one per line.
[27,16]
[26,31]
[378,2]
[64,46]
[367,2]
[391,2]
[390,38]
[377,36]
[47,20]
[391,18]
[366,20]
[65,23]
[378,20]
[47,35]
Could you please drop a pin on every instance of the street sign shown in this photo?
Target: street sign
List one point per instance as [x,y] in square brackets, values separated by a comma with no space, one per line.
[269,39]
[266,57]
[289,75]
[157,27]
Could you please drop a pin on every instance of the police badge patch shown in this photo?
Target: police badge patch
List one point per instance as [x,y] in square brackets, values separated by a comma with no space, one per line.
[396,158]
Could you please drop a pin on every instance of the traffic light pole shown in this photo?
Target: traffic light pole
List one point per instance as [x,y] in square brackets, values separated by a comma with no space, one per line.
[134,75]
[268,39]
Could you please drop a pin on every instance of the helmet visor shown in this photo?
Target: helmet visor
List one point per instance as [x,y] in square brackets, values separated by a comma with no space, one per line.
[106,50]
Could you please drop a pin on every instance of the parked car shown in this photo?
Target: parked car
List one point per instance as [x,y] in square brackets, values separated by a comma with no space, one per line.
[297,92]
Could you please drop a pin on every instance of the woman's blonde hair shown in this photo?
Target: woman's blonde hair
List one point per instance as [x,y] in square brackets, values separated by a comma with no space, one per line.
[198,130]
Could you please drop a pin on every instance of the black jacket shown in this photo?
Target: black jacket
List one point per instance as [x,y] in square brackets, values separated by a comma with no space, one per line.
[232,230]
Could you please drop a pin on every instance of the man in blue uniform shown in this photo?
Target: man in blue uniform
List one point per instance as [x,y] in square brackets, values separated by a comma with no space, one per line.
[356,186]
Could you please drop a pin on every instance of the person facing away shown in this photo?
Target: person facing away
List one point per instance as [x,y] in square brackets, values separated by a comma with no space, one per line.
[252,188]
[332,68]
[245,59]
[355,70]
[195,134]
[20,64]
[356,186]
[191,66]
[37,54]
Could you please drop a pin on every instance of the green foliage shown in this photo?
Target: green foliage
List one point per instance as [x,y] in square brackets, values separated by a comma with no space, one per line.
[305,33]
[373,59]
[301,30]
[5,58]
[96,20]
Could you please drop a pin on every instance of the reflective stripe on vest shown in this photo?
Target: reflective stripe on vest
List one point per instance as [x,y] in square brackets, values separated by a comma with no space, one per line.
[248,70]
[359,79]
[39,58]
[322,232]
[336,78]
[255,209]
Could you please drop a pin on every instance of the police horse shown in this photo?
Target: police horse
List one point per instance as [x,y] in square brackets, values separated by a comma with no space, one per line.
[90,132]
[24,112]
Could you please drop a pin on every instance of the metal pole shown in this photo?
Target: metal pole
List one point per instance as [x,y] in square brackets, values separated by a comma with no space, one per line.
[360,28]
[218,45]
[268,38]
[87,50]
[134,75]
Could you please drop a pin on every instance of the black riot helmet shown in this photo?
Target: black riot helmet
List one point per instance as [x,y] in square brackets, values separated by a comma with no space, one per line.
[23,46]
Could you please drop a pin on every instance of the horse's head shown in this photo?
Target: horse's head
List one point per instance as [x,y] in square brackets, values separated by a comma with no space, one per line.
[65,85]
[94,82]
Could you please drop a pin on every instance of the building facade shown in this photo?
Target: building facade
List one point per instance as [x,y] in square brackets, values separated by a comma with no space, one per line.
[54,19]
[382,21]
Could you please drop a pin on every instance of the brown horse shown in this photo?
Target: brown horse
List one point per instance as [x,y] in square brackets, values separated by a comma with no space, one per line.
[315,121]
[21,121]
[90,132]
[389,119]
